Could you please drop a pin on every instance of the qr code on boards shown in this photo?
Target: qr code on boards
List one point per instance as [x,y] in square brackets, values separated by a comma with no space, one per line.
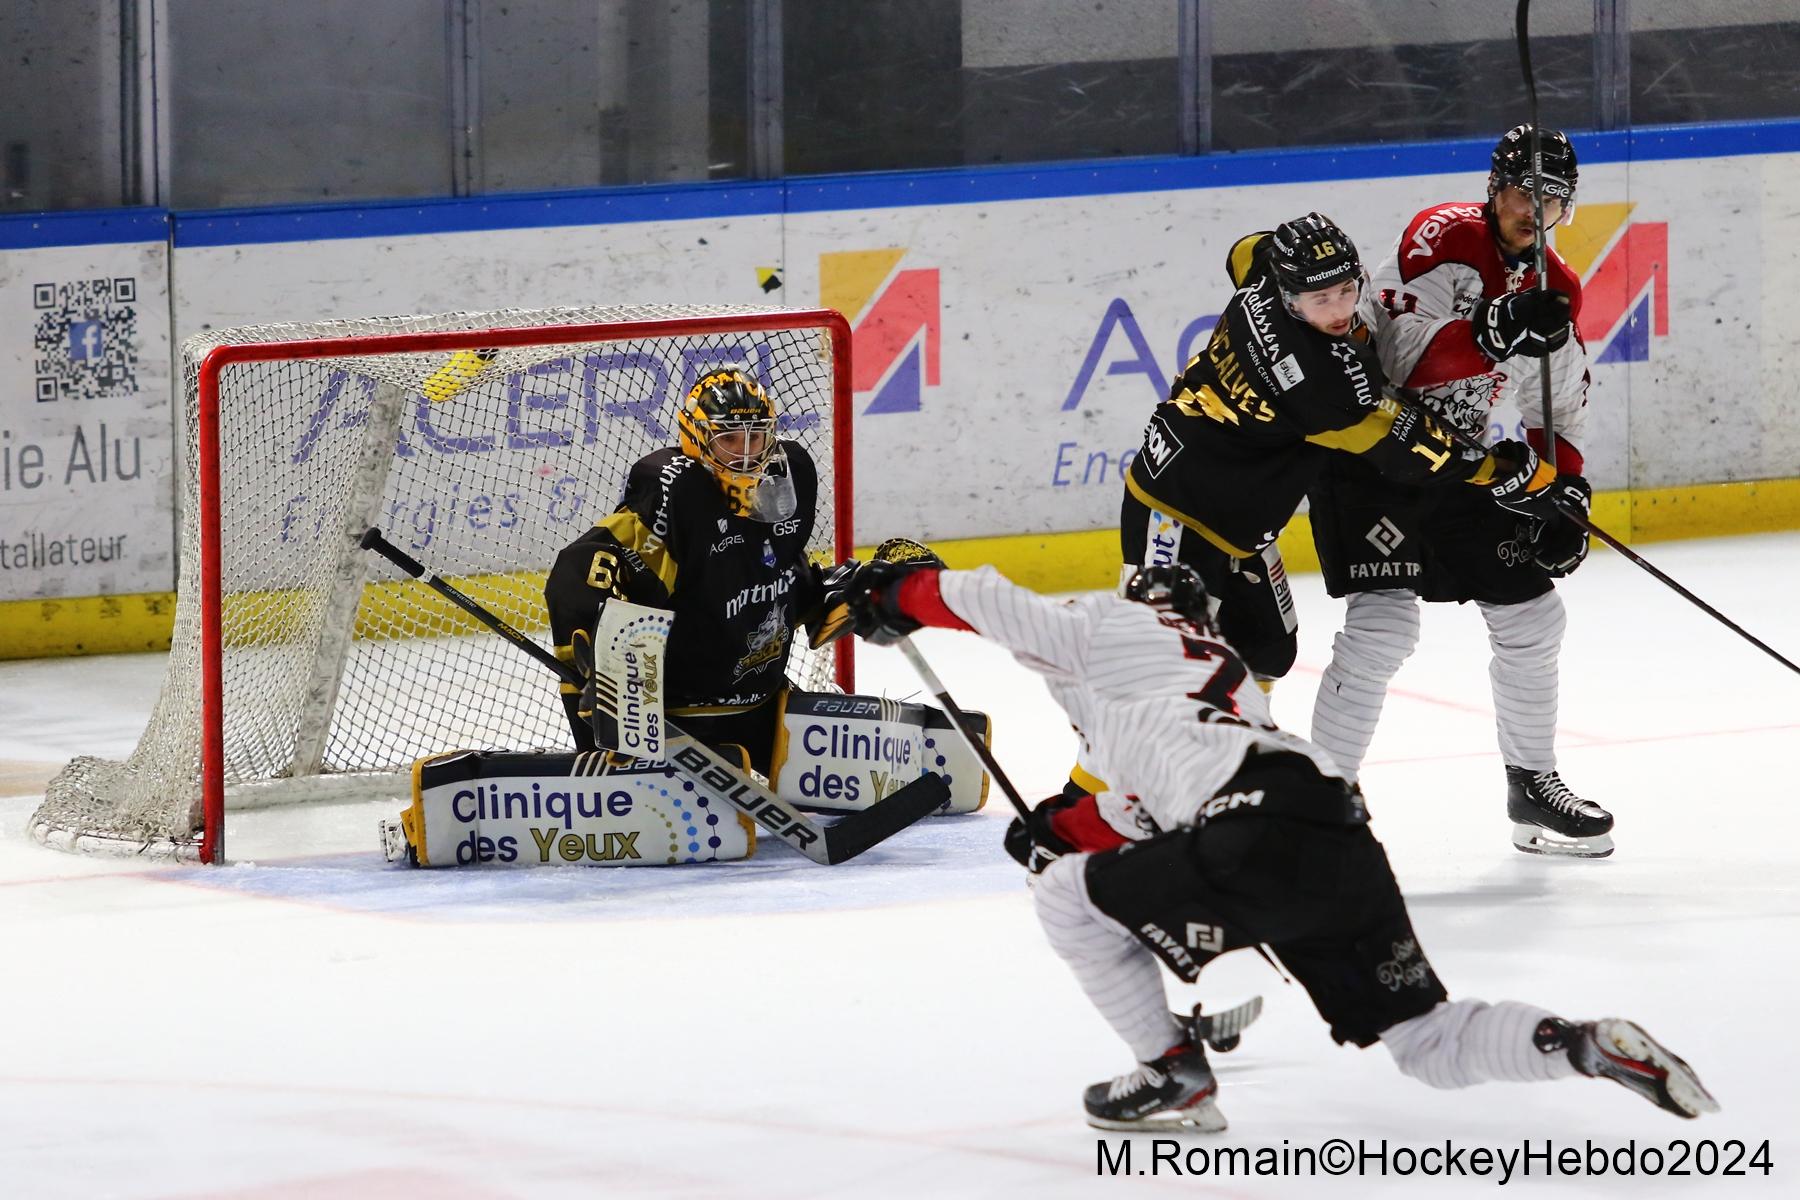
[86,339]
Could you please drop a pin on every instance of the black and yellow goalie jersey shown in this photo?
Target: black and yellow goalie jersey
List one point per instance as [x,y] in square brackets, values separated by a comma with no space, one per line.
[1233,449]
[737,587]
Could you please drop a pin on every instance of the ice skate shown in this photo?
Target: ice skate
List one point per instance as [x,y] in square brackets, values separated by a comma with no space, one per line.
[1176,1091]
[1622,1052]
[1548,818]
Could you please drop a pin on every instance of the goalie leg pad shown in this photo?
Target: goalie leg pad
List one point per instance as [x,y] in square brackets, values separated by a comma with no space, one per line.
[842,753]
[591,809]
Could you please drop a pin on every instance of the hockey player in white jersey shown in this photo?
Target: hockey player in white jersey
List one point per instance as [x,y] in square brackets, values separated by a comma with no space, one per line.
[1224,833]
[1460,327]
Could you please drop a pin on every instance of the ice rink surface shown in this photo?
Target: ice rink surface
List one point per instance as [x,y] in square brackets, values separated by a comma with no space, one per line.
[308,1022]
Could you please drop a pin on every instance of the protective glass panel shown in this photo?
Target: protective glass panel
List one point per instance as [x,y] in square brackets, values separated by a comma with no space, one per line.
[328,100]
[1725,60]
[1323,72]
[60,105]
[892,84]
[572,93]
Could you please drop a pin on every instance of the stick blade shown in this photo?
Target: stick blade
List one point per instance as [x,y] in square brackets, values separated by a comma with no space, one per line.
[883,819]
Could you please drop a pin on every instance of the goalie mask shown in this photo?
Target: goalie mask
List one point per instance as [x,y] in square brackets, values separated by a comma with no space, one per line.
[728,423]
[1175,587]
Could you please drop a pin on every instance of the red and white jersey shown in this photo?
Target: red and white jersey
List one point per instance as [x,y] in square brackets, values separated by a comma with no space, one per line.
[1167,711]
[1419,304]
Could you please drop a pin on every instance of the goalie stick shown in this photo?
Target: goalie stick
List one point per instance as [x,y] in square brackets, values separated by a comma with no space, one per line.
[1573,512]
[823,844]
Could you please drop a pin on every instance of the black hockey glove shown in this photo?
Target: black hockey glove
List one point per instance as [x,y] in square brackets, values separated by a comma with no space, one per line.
[1522,483]
[827,617]
[870,591]
[1529,323]
[871,597]
[1560,545]
[1033,843]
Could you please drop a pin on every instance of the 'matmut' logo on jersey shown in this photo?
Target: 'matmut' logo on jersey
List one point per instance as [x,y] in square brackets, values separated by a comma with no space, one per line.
[760,593]
[1354,372]
[896,320]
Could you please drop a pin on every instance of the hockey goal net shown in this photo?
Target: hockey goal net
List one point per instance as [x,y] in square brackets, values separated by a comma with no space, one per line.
[481,443]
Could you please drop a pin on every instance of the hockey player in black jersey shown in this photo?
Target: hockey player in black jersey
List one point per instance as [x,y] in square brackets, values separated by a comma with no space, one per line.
[1224,833]
[1458,321]
[1288,377]
[716,531]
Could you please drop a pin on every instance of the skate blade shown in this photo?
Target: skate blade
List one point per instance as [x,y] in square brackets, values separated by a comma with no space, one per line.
[1684,1087]
[1534,839]
[1202,1118]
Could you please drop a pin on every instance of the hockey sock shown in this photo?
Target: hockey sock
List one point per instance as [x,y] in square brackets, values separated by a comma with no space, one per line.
[1116,971]
[1526,640]
[1380,630]
[1461,1043]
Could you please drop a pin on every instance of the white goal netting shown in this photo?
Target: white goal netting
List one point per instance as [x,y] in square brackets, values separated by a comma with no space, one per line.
[482,463]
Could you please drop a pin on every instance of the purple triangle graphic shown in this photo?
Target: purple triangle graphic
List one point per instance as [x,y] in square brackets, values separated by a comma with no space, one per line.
[901,391]
[1632,342]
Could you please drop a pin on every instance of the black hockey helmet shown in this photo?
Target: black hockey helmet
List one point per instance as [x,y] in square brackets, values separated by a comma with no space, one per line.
[1311,253]
[1511,165]
[1174,586]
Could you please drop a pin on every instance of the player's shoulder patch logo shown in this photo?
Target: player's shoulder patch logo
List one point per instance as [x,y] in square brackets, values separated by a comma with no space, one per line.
[1160,446]
[1288,373]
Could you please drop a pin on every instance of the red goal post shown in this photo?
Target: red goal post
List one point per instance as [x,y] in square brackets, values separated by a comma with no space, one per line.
[489,439]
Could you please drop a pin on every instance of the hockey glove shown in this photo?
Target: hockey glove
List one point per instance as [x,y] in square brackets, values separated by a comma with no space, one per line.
[1529,323]
[1061,825]
[1560,545]
[1522,482]
[1033,843]
[873,600]
[828,618]
[872,590]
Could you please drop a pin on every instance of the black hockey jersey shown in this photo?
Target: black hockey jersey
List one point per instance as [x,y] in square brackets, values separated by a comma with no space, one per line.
[736,586]
[1238,442]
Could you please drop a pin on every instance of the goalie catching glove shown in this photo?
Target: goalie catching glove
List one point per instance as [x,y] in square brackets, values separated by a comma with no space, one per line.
[863,596]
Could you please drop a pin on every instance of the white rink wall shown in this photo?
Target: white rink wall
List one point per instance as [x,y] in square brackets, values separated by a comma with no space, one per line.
[1013,327]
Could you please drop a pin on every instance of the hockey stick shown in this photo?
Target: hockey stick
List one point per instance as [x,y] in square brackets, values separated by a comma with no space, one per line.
[1523,22]
[1573,512]
[960,719]
[824,844]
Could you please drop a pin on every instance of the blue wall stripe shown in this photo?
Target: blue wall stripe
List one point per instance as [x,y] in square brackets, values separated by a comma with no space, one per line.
[85,227]
[306,223]
[832,193]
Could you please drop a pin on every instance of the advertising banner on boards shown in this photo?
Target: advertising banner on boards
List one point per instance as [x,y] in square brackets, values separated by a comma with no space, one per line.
[86,482]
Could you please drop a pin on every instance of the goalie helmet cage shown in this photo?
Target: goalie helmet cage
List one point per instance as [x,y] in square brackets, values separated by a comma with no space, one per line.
[482,443]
